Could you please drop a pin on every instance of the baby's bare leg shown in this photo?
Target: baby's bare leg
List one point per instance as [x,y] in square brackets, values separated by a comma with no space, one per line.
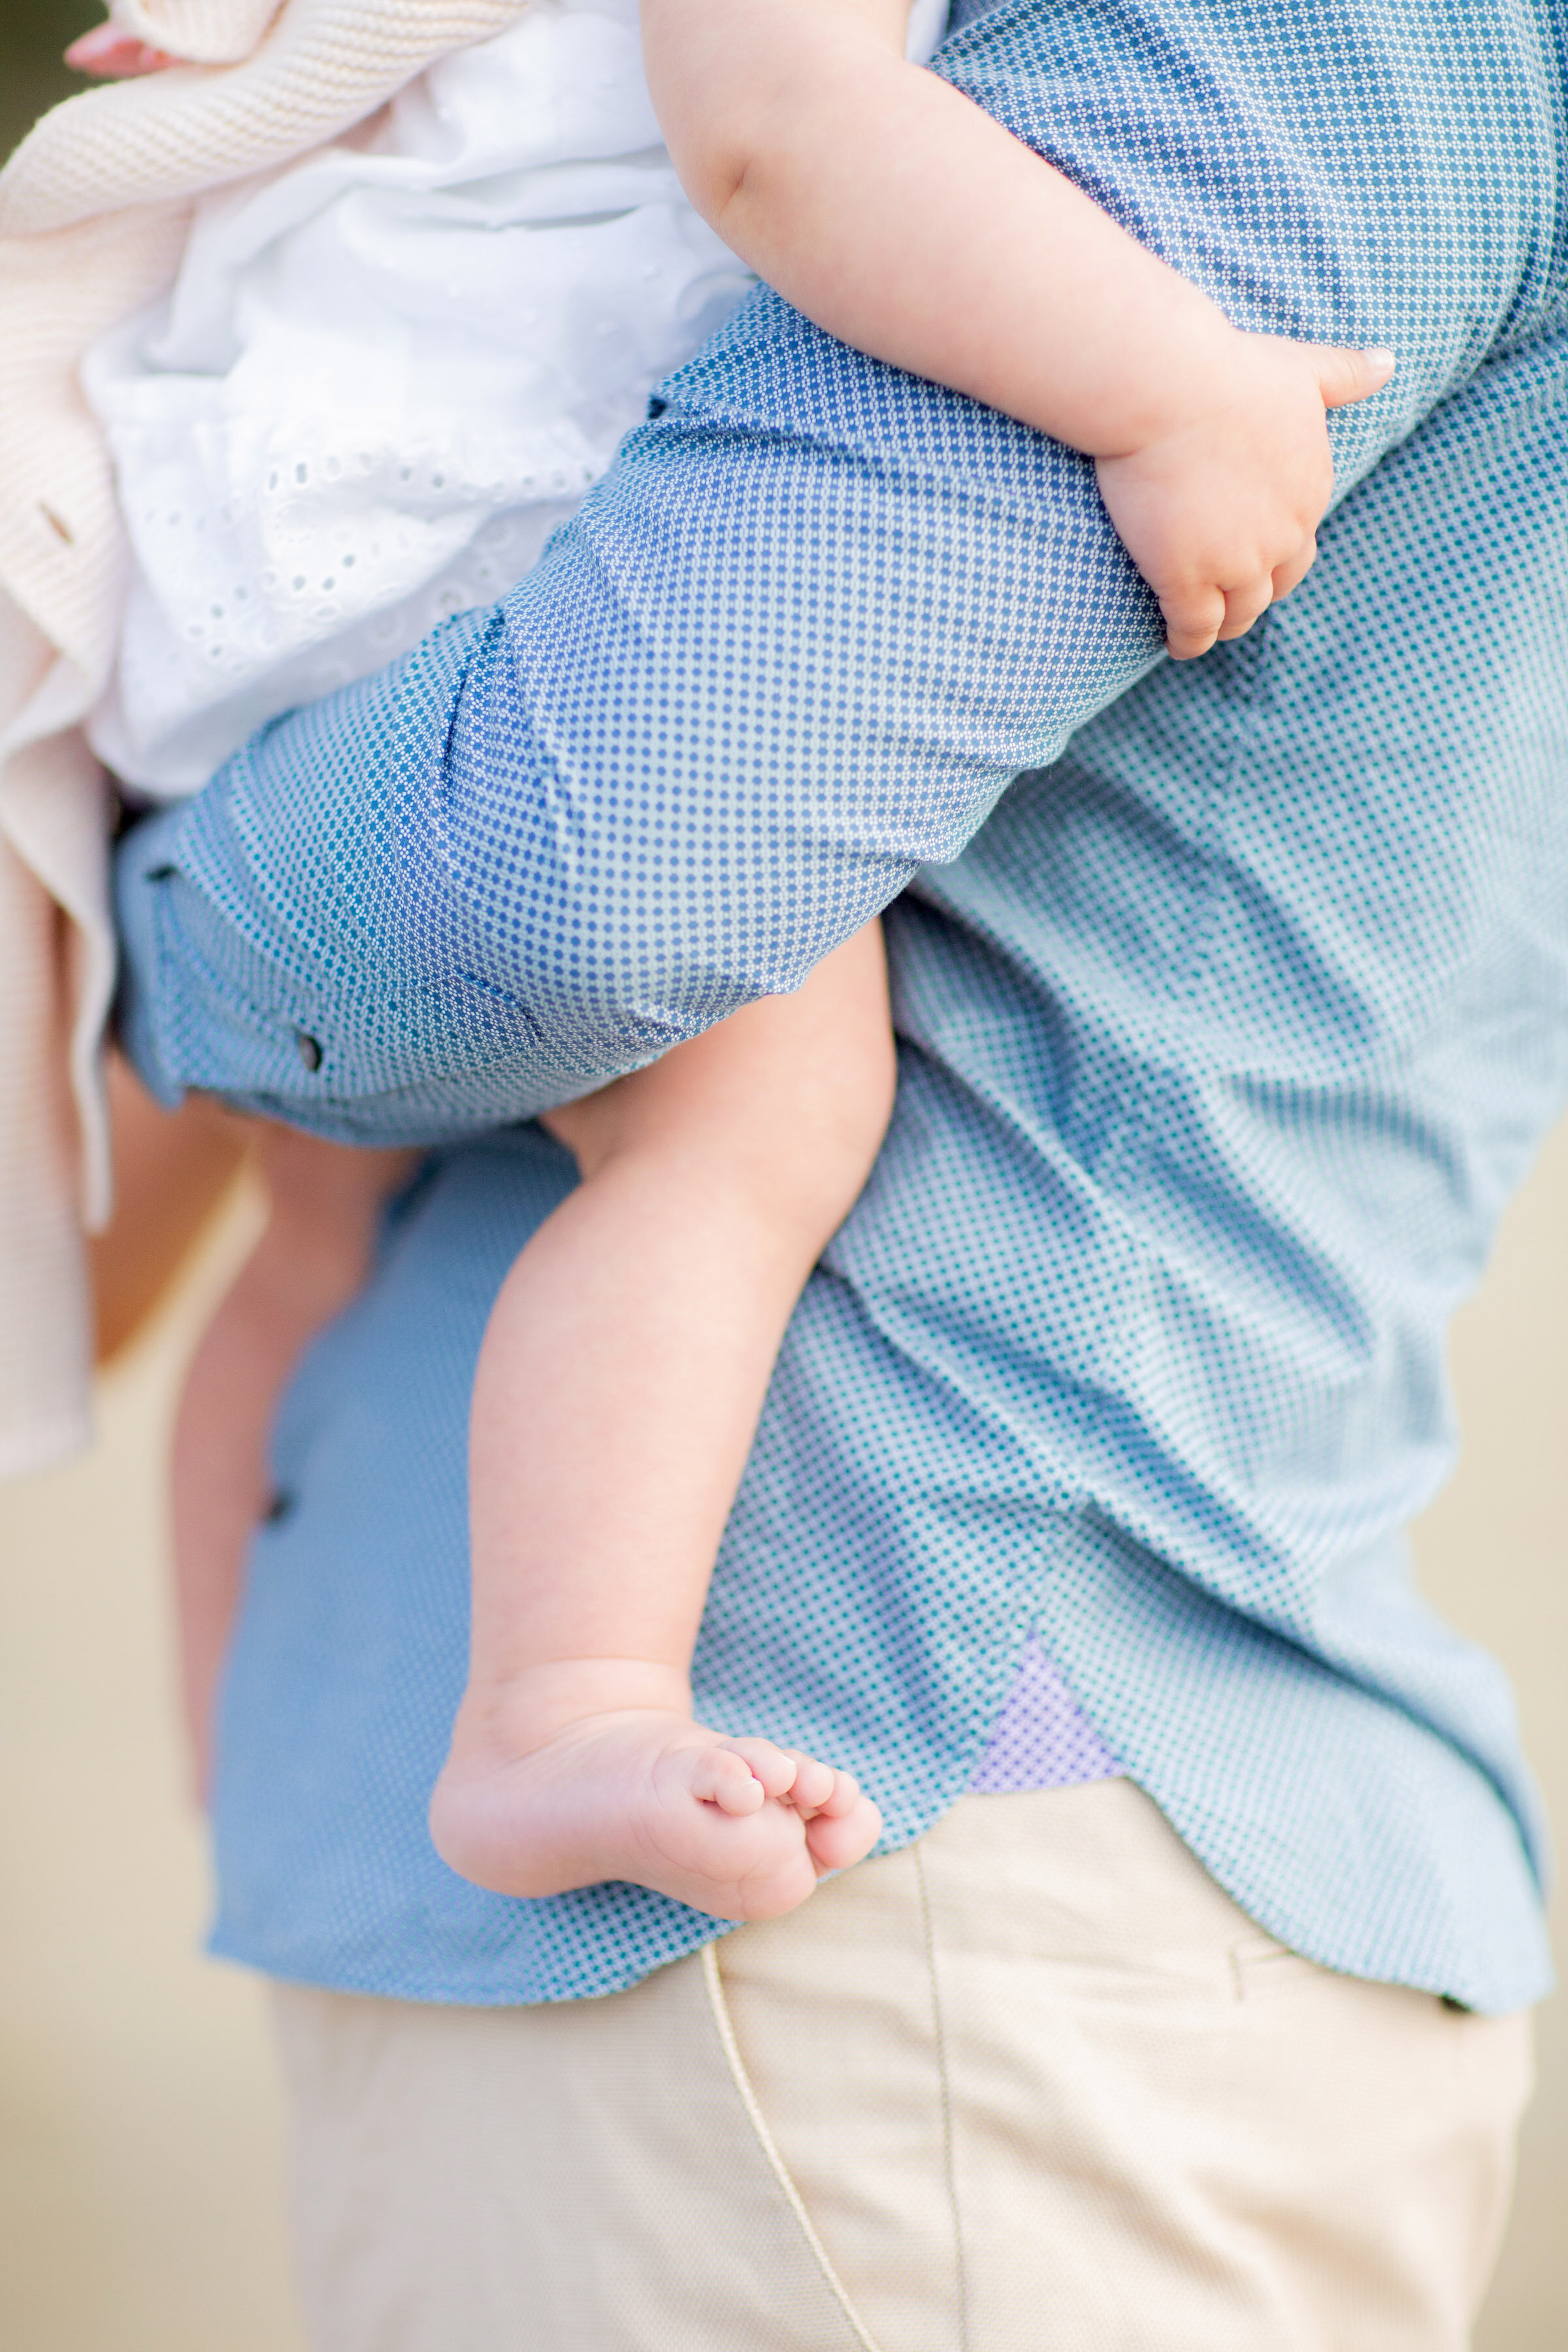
[311,1259]
[616,1397]
[171,1171]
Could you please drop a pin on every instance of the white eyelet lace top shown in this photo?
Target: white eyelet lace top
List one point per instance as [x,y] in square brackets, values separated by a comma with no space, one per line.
[386,371]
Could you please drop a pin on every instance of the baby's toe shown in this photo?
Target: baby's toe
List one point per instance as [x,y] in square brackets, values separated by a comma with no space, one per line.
[776,1767]
[842,1798]
[834,1841]
[720,1777]
[813,1786]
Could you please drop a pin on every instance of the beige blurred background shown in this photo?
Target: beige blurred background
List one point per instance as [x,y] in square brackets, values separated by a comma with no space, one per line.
[140,2204]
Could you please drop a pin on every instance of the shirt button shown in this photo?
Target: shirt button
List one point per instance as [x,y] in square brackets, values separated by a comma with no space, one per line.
[309,1049]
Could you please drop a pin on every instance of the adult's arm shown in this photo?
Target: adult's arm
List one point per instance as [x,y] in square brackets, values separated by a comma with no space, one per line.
[816,618]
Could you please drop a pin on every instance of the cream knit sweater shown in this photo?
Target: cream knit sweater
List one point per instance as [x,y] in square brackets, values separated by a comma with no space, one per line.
[94,207]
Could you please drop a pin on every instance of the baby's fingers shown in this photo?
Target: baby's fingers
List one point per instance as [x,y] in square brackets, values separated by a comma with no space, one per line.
[1291,574]
[1346,376]
[1193,619]
[1211,616]
[111,54]
[1243,607]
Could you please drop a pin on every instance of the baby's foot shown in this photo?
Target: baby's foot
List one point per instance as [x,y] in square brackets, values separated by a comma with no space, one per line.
[738,1828]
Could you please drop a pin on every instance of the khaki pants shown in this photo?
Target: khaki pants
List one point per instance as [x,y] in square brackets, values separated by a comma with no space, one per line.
[1034,2082]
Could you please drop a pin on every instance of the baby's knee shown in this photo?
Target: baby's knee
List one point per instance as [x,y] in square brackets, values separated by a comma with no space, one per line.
[784,1104]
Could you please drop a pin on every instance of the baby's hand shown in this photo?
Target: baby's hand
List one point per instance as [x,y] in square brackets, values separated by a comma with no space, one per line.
[1220,508]
[111,54]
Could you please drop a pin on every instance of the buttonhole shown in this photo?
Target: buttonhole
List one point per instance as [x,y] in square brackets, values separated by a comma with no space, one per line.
[309,1049]
[57,524]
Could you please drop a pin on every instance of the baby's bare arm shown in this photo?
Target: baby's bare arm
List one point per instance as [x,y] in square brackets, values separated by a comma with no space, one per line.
[903,219]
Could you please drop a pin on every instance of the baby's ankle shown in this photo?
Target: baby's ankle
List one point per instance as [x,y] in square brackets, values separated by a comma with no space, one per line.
[520,1709]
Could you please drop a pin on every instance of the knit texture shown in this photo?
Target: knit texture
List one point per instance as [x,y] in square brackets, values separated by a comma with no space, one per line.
[198,32]
[93,214]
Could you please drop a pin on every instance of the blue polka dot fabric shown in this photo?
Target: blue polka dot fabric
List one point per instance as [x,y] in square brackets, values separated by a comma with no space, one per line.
[1232,999]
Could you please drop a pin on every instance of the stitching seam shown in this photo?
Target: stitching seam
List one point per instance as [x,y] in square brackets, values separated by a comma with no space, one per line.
[741,2080]
[928,1932]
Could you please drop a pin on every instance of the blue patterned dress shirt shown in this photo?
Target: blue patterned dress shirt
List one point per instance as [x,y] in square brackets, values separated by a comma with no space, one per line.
[1233,1002]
